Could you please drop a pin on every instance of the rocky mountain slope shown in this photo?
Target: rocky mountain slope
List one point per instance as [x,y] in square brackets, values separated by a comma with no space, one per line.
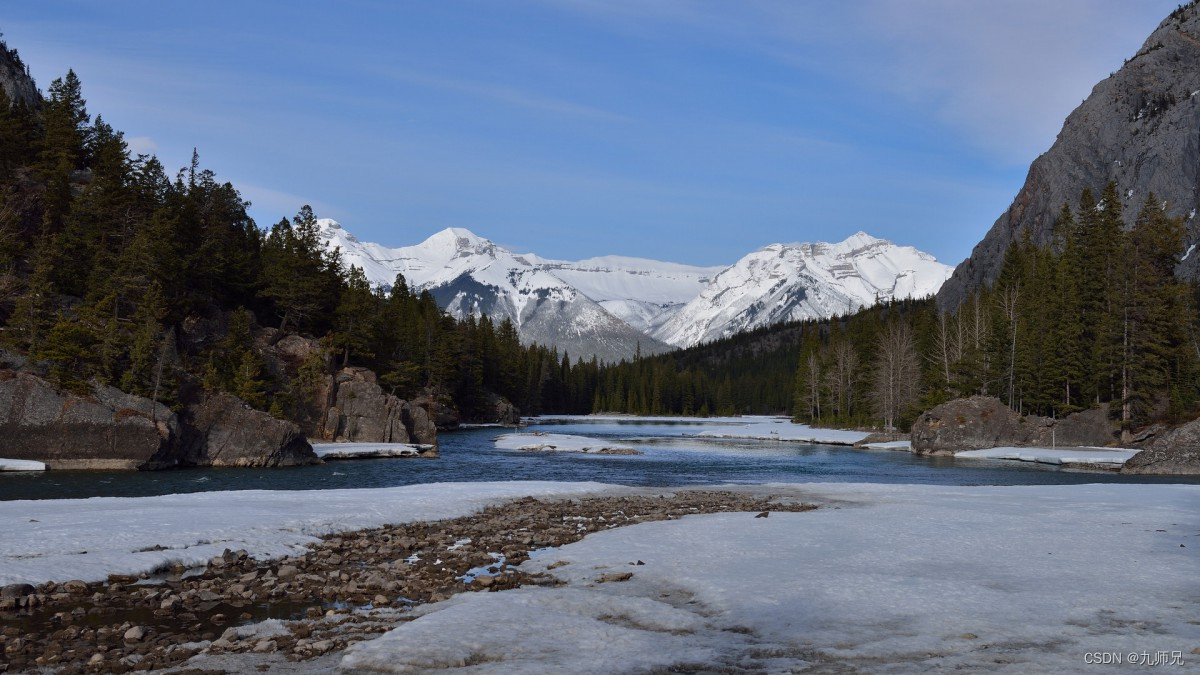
[15,79]
[794,282]
[613,306]
[1138,127]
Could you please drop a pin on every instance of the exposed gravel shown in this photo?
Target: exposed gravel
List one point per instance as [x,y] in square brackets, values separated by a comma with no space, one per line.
[347,588]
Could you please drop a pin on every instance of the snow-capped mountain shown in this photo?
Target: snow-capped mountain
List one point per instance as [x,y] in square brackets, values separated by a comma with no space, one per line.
[788,282]
[611,306]
[603,306]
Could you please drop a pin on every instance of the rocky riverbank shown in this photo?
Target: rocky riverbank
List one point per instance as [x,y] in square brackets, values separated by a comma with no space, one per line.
[349,587]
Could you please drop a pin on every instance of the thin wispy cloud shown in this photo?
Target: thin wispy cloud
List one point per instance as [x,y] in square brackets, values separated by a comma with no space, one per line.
[503,94]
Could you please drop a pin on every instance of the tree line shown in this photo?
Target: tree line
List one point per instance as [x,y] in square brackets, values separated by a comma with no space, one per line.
[111,271]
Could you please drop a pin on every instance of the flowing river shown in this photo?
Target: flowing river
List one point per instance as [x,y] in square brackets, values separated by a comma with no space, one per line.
[670,457]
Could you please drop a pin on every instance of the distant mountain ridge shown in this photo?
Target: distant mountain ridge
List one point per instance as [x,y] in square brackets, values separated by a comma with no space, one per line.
[794,282]
[1139,128]
[614,306]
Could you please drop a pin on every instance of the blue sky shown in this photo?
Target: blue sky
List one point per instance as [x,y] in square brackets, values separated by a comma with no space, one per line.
[683,130]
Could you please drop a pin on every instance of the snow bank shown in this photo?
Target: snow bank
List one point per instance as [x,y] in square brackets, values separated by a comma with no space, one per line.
[676,419]
[892,578]
[779,429]
[89,539]
[1105,456]
[367,450]
[21,465]
[889,445]
[560,443]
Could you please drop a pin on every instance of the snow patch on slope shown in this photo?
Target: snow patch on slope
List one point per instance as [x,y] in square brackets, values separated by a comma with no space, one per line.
[792,282]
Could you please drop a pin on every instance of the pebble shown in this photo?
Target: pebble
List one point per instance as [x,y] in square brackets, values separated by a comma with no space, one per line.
[355,569]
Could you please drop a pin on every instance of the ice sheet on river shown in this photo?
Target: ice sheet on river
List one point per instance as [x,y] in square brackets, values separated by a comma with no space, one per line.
[885,578]
[1114,457]
[328,451]
[88,539]
[21,465]
[779,429]
[543,442]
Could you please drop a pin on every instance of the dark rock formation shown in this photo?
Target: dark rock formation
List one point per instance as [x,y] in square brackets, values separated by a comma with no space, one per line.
[442,410]
[363,412]
[982,422]
[224,431]
[1138,128]
[500,410]
[1175,452]
[419,417]
[108,430]
[15,79]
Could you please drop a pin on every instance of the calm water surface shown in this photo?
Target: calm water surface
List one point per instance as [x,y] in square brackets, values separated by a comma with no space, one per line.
[671,458]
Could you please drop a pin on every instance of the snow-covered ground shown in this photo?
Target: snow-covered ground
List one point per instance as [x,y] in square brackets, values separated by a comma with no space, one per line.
[559,443]
[780,429]
[88,539]
[21,465]
[885,578]
[1114,457]
[367,450]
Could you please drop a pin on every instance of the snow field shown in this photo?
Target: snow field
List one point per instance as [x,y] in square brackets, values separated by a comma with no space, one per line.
[883,578]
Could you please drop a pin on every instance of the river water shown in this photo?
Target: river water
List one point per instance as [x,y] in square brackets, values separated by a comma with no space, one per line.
[671,458]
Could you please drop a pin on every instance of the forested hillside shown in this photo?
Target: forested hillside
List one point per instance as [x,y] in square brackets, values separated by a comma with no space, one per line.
[114,271]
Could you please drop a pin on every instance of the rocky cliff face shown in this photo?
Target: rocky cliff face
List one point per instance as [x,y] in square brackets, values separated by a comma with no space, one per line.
[363,412]
[110,430]
[1139,127]
[15,79]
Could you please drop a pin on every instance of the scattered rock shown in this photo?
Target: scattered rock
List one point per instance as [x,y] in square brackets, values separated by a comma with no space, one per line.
[614,577]
[16,590]
[365,573]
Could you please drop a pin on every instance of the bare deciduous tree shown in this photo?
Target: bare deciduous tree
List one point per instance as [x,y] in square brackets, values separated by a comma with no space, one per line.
[896,372]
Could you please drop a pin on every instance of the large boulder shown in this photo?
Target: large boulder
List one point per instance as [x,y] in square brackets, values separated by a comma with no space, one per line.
[981,422]
[1176,452]
[224,431]
[106,430]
